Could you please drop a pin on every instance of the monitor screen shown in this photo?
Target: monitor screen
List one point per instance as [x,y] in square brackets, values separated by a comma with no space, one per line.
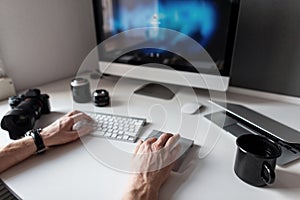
[211,23]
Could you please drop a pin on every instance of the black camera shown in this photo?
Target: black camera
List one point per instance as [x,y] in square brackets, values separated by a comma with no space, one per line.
[26,109]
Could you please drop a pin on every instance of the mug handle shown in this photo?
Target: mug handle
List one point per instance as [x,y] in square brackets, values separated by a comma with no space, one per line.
[270,172]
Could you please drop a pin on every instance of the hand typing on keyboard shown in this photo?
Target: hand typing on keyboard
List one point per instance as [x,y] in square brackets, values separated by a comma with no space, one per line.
[153,160]
[59,132]
[83,124]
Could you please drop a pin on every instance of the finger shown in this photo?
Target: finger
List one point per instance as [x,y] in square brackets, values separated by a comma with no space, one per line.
[75,112]
[80,116]
[88,117]
[174,154]
[161,141]
[71,120]
[150,140]
[169,155]
[72,113]
[172,141]
[145,147]
[84,131]
[140,142]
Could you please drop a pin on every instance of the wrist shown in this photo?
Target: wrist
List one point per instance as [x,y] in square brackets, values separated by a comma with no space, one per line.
[38,140]
[141,193]
[46,138]
[140,189]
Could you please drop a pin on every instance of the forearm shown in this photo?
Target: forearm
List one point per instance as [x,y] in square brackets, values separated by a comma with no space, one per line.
[59,132]
[16,151]
[141,194]
[140,190]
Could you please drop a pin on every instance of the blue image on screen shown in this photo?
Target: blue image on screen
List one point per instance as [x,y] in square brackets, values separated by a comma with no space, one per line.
[194,18]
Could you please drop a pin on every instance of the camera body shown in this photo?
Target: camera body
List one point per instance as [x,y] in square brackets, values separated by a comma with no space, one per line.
[26,109]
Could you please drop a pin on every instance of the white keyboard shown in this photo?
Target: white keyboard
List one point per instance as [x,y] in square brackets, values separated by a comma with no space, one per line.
[117,127]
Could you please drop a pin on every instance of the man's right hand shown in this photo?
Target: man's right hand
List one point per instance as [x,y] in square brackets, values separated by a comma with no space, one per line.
[153,160]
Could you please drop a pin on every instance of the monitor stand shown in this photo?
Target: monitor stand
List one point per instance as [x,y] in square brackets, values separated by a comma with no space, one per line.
[155,90]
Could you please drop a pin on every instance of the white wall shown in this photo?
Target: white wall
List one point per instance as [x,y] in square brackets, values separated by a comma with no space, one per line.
[44,40]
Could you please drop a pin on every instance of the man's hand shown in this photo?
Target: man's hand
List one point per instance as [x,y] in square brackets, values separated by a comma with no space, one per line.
[153,160]
[61,131]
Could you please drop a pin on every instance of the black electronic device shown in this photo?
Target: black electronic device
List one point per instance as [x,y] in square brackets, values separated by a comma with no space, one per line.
[142,35]
[240,120]
[26,109]
[101,98]
[6,193]
[266,57]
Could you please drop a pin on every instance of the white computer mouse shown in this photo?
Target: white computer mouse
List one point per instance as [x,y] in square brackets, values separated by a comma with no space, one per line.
[190,108]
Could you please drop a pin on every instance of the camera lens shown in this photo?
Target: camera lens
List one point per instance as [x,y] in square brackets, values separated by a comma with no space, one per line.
[101,98]
[26,109]
[17,122]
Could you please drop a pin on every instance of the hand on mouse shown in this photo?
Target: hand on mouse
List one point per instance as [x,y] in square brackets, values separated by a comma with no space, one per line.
[61,131]
[153,160]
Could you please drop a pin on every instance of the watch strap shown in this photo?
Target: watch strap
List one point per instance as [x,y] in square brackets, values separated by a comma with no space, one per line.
[38,140]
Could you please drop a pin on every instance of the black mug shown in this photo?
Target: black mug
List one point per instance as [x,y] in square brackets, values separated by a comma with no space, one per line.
[255,159]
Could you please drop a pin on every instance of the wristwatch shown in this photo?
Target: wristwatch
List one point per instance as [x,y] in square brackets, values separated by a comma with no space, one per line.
[38,140]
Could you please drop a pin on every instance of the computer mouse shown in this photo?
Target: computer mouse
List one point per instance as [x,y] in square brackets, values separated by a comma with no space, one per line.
[185,145]
[190,108]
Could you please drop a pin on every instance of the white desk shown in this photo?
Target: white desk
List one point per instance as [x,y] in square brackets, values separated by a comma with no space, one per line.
[74,171]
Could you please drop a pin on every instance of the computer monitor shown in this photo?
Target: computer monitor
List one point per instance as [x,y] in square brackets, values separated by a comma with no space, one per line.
[211,24]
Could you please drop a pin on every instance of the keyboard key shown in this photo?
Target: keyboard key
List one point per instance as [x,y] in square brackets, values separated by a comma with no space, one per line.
[117,127]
